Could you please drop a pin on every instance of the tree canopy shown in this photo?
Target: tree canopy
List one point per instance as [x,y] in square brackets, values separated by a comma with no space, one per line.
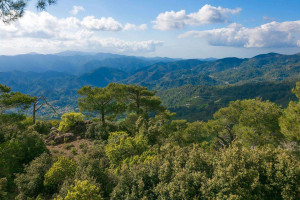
[9,99]
[290,120]
[11,10]
[101,100]
[249,150]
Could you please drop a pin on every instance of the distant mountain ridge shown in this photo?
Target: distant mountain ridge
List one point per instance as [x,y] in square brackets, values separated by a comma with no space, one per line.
[154,72]
[264,67]
[74,62]
[162,74]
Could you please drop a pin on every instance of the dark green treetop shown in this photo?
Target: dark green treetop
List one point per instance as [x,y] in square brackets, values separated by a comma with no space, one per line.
[11,10]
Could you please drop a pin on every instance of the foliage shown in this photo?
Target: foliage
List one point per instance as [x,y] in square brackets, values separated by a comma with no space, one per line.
[120,146]
[3,185]
[19,151]
[93,166]
[30,182]
[98,131]
[142,100]
[183,133]
[11,10]
[200,102]
[82,190]
[9,99]
[11,125]
[262,173]
[290,120]
[101,100]
[253,122]
[176,173]
[191,173]
[42,127]
[244,152]
[74,150]
[69,121]
[60,170]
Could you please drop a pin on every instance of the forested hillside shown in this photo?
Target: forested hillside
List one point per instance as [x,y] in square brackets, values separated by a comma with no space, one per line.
[265,67]
[193,102]
[194,89]
[133,148]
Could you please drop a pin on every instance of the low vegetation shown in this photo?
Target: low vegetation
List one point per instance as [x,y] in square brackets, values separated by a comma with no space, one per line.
[125,144]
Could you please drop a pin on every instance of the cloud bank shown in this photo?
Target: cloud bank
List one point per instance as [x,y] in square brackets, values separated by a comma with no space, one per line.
[42,31]
[206,15]
[273,34]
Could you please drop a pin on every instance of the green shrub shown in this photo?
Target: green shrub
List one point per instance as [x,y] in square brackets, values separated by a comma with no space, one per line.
[59,171]
[55,123]
[99,131]
[69,146]
[52,143]
[120,146]
[69,121]
[3,185]
[74,150]
[82,190]
[42,127]
[83,145]
[30,183]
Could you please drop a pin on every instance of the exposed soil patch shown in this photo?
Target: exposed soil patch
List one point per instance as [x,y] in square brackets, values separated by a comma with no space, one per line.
[70,149]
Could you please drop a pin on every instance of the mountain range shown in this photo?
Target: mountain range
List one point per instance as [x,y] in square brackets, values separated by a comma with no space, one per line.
[59,76]
[74,62]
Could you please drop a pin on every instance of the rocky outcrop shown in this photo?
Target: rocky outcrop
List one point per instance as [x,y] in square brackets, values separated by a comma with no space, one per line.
[58,137]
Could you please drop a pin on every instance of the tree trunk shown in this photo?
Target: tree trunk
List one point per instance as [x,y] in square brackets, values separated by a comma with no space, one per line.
[103,117]
[138,104]
[33,112]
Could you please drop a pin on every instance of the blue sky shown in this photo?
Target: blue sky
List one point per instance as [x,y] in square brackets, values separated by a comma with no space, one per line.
[166,28]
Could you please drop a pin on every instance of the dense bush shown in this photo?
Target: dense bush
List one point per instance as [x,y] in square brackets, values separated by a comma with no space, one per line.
[19,151]
[290,120]
[253,122]
[69,121]
[30,183]
[42,127]
[82,190]
[191,173]
[244,152]
[58,172]
[120,146]
[98,131]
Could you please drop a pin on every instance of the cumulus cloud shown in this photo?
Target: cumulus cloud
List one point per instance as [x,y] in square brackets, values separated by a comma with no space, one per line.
[42,31]
[274,34]
[206,15]
[102,24]
[76,10]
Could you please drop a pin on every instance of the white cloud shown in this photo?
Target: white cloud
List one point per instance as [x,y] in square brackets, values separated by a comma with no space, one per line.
[274,34]
[170,20]
[76,10]
[134,27]
[102,24]
[43,32]
[206,15]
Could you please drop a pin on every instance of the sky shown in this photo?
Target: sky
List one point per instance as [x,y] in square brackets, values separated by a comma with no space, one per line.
[164,28]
